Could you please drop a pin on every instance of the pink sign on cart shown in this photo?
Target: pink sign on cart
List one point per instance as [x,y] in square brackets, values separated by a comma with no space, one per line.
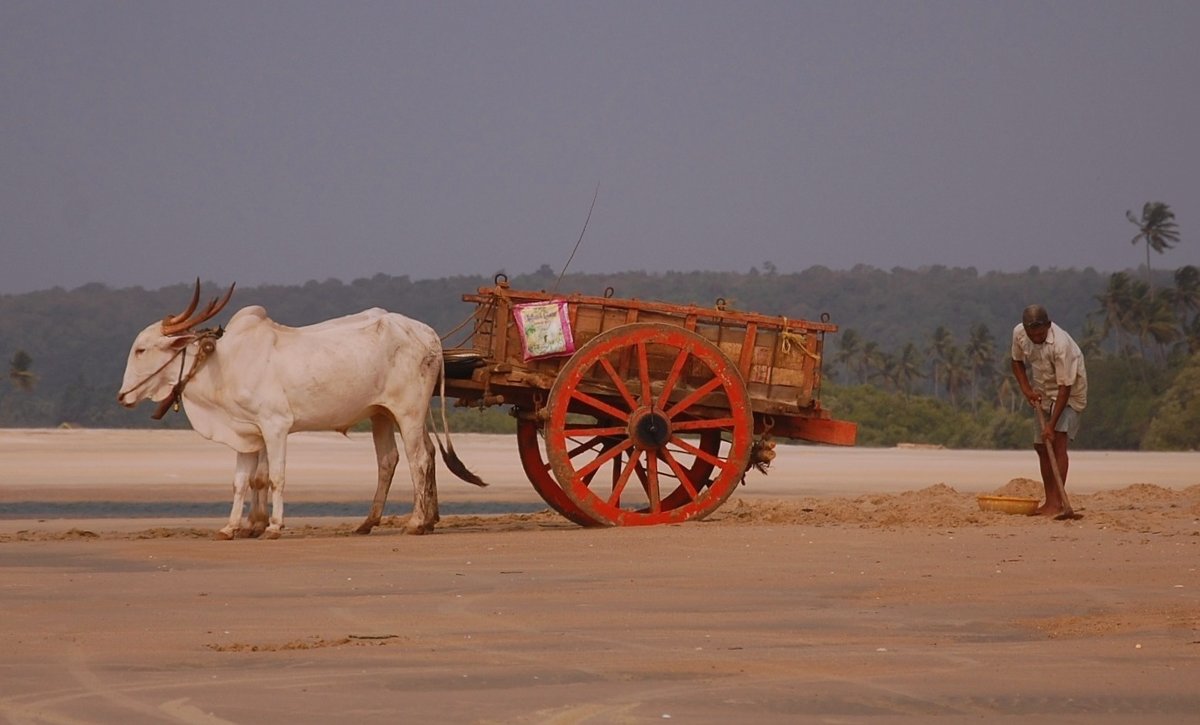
[545,329]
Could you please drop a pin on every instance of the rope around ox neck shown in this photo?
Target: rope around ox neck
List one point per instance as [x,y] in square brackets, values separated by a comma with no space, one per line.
[206,343]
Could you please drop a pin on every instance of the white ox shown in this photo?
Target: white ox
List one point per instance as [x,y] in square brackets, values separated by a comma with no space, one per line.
[256,381]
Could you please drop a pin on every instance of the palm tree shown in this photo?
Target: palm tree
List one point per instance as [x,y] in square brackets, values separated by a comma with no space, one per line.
[908,368]
[886,367]
[1157,228]
[1090,339]
[1161,326]
[848,349]
[1187,291]
[1115,305]
[939,352]
[956,368]
[1151,318]
[869,361]
[1006,394]
[981,352]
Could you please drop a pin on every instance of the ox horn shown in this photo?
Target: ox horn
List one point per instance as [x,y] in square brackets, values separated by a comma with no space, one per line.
[182,323]
[176,319]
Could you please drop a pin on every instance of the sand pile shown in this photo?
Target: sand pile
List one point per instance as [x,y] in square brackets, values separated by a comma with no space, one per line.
[1138,507]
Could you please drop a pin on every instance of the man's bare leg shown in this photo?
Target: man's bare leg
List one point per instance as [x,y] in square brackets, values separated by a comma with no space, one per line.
[1061,441]
[1052,506]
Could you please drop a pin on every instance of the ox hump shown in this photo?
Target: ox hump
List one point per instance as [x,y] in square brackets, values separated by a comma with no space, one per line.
[250,315]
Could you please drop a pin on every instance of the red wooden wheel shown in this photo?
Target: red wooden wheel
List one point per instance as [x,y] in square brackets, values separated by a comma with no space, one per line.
[538,472]
[648,424]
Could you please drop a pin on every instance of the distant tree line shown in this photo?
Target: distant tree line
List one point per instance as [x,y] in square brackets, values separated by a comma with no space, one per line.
[922,354]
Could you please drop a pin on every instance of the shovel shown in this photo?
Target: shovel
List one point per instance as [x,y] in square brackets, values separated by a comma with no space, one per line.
[1068,512]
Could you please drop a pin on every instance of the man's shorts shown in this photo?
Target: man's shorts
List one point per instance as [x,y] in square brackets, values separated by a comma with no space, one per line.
[1068,423]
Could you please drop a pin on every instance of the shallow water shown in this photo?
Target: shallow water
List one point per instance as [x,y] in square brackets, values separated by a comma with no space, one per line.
[218,509]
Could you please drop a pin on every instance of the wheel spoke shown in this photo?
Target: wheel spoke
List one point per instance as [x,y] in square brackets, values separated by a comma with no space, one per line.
[652,491]
[599,405]
[695,397]
[673,378]
[606,444]
[644,370]
[584,474]
[682,474]
[585,445]
[618,382]
[614,498]
[698,452]
[598,432]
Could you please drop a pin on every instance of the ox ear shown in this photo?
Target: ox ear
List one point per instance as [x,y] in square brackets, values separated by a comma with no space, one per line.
[178,342]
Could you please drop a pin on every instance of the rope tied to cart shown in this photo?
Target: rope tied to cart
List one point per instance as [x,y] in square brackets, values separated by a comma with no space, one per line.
[471,317]
[501,284]
[787,338]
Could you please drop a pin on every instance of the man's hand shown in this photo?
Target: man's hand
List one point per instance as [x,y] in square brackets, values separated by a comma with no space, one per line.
[1047,429]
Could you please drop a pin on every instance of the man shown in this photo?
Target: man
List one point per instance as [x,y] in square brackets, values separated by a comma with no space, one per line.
[1059,389]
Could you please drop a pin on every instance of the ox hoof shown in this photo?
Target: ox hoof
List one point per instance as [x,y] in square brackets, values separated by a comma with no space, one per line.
[365,527]
[252,529]
[271,533]
[225,534]
[418,529]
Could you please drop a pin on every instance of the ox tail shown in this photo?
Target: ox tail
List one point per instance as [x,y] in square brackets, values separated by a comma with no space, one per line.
[449,457]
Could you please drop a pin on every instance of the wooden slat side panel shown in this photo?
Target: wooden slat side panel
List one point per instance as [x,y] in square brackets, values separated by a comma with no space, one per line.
[781,362]
[703,313]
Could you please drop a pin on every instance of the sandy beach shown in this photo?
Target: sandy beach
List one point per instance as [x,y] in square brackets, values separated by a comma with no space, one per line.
[847,586]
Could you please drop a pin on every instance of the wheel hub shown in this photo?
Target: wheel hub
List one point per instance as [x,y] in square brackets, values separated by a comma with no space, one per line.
[649,428]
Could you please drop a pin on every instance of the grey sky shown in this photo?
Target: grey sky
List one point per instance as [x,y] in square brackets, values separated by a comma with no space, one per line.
[150,142]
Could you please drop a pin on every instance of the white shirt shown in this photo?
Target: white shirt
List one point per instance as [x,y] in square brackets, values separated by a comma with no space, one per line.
[1057,361]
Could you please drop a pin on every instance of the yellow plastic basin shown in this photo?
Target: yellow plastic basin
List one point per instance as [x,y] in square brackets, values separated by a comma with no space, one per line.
[1008,504]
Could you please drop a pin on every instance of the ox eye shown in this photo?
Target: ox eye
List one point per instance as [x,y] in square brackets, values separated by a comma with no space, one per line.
[140,351]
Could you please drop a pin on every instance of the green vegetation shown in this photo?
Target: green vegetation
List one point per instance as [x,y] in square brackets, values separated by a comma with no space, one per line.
[887,418]
[1175,426]
[922,355]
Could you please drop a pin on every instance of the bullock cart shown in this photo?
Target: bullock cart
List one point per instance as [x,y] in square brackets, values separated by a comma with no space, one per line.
[632,412]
